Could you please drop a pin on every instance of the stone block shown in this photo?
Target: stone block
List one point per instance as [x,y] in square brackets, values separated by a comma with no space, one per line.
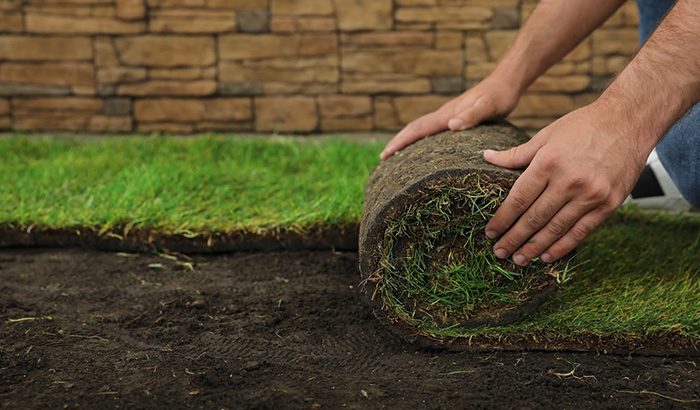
[166,51]
[296,87]
[544,105]
[187,73]
[286,114]
[5,123]
[475,48]
[192,21]
[4,106]
[250,46]
[33,89]
[11,23]
[253,20]
[388,39]
[51,123]
[237,4]
[65,105]
[105,54]
[299,70]
[334,106]
[448,17]
[117,106]
[166,127]
[351,85]
[120,75]
[505,19]
[447,85]
[363,123]
[385,115]
[614,41]
[157,4]
[59,73]
[297,24]
[478,71]
[301,7]
[103,123]
[364,14]
[243,88]
[403,60]
[413,107]
[62,24]
[313,44]
[449,40]
[570,83]
[167,88]
[498,42]
[39,48]
[192,110]
[130,9]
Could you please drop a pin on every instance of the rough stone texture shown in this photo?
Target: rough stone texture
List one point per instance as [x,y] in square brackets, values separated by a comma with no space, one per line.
[275,114]
[253,20]
[309,65]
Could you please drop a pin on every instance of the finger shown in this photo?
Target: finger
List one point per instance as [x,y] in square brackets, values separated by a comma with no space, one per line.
[422,127]
[535,218]
[557,227]
[470,117]
[580,231]
[525,191]
[516,157]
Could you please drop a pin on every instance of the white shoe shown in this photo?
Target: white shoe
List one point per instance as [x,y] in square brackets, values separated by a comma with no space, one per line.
[656,190]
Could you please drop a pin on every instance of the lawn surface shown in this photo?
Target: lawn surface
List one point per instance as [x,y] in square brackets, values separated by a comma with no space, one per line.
[638,277]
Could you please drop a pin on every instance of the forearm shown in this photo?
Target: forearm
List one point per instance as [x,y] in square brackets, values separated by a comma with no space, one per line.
[662,81]
[553,30]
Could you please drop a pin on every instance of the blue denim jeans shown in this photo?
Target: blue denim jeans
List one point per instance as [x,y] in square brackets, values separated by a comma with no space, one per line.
[679,150]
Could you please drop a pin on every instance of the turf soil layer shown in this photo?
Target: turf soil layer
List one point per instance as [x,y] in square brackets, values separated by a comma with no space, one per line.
[90,329]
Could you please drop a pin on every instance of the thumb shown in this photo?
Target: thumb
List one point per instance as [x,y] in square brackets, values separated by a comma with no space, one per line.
[516,157]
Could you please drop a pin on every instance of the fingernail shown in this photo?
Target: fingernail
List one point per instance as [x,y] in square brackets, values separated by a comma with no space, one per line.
[546,258]
[500,253]
[520,260]
[489,152]
[456,123]
[491,234]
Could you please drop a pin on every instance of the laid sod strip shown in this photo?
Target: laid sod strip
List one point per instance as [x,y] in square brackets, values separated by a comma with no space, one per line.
[635,284]
[425,260]
[207,184]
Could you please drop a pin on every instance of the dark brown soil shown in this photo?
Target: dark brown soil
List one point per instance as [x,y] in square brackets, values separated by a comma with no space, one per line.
[267,330]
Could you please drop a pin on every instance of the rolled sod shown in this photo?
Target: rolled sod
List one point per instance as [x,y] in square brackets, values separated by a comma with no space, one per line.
[425,261]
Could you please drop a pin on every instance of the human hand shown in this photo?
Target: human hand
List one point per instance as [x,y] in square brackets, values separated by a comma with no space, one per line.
[492,98]
[579,170]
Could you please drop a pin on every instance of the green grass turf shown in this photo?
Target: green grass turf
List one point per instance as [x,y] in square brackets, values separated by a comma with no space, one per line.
[641,275]
[203,184]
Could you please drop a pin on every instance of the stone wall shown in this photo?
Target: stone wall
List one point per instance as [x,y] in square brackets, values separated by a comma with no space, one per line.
[273,65]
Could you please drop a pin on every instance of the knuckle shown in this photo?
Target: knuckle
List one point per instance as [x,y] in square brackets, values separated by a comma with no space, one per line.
[556,228]
[510,243]
[519,202]
[534,219]
[532,249]
[580,232]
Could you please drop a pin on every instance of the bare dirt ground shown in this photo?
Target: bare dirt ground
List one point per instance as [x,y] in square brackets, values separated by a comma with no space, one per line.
[286,330]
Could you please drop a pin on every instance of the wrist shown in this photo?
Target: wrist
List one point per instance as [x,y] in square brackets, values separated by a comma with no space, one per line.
[513,78]
[621,120]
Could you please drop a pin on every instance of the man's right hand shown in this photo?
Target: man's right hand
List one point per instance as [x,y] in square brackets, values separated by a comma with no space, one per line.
[491,99]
